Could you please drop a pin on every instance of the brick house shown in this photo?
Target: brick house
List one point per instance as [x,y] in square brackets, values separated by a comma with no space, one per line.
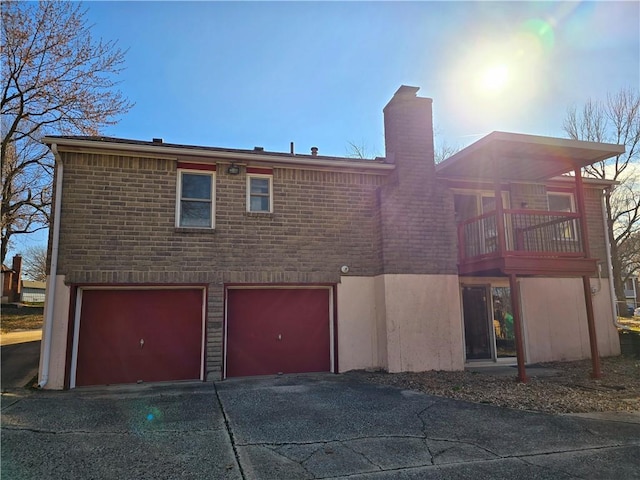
[175,262]
[11,283]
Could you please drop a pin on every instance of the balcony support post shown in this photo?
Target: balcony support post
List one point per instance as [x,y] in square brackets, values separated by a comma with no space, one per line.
[502,245]
[517,327]
[593,339]
[583,214]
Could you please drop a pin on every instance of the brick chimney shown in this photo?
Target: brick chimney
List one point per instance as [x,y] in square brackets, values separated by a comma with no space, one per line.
[408,134]
[16,285]
[417,215]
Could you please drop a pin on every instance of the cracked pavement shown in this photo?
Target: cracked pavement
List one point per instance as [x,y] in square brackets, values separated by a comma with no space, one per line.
[312,426]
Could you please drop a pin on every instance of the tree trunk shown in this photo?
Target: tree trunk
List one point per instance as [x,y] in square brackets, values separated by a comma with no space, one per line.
[4,246]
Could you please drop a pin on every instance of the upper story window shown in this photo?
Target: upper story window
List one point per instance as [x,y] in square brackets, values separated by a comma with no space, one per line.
[472,204]
[259,190]
[560,202]
[195,206]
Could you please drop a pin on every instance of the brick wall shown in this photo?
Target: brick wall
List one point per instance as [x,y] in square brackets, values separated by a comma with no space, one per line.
[118,226]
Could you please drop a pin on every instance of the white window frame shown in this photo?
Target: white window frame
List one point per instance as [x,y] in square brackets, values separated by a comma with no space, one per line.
[212,177]
[572,204]
[570,231]
[248,197]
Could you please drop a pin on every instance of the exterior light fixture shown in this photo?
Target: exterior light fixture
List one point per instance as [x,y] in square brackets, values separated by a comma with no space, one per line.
[233,169]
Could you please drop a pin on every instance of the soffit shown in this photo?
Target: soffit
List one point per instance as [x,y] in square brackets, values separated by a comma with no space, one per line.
[518,157]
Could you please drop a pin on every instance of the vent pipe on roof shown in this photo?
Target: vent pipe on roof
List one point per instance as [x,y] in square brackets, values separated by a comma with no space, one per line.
[314,151]
[292,152]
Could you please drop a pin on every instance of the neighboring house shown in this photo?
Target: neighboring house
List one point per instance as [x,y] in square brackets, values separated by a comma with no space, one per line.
[174,262]
[4,276]
[631,292]
[11,286]
[33,292]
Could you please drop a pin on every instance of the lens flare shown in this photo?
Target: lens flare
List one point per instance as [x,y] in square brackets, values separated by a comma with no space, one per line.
[153,414]
[543,31]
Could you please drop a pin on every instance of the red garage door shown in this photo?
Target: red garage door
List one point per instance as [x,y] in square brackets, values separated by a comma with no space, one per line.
[128,336]
[272,331]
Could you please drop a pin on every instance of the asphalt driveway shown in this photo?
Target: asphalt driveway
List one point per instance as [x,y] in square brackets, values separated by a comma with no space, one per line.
[19,363]
[300,426]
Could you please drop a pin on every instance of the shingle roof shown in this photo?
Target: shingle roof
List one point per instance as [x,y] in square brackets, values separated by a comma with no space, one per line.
[255,151]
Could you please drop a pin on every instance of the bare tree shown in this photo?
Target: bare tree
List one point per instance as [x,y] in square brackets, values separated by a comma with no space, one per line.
[443,150]
[34,263]
[615,120]
[629,253]
[360,150]
[56,79]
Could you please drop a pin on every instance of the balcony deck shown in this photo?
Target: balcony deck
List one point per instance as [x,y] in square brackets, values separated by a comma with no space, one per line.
[532,242]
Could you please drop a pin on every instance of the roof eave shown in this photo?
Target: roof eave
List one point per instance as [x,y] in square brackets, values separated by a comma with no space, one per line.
[233,156]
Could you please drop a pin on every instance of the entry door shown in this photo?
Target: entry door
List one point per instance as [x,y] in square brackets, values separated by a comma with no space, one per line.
[488,322]
[503,322]
[271,331]
[477,333]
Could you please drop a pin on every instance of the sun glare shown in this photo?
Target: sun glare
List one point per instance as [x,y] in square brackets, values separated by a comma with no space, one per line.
[500,74]
[495,78]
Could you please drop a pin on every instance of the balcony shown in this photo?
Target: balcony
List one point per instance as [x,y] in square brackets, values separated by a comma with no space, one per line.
[523,242]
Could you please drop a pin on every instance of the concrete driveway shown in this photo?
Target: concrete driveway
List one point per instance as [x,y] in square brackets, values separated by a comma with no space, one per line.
[300,426]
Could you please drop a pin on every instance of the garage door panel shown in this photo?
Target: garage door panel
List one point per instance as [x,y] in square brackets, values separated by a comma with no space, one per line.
[113,323]
[272,331]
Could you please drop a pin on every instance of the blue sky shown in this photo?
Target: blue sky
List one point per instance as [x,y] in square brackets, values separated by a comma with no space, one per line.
[245,74]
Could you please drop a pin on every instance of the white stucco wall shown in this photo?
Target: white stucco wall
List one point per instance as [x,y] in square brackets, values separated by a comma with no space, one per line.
[400,323]
[381,321]
[555,320]
[58,334]
[608,338]
[424,330]
[358,345]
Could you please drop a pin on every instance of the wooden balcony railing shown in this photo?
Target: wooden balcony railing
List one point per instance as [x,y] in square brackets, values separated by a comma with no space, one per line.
[528,233]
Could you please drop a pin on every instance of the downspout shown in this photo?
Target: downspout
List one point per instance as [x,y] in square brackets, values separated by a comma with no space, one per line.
[51,291]
[612,289]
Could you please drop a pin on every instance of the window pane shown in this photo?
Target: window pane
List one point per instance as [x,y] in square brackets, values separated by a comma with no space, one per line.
[196,186]
[488,204]
[260,185]
[195,214]
[259,204]
[559,203]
